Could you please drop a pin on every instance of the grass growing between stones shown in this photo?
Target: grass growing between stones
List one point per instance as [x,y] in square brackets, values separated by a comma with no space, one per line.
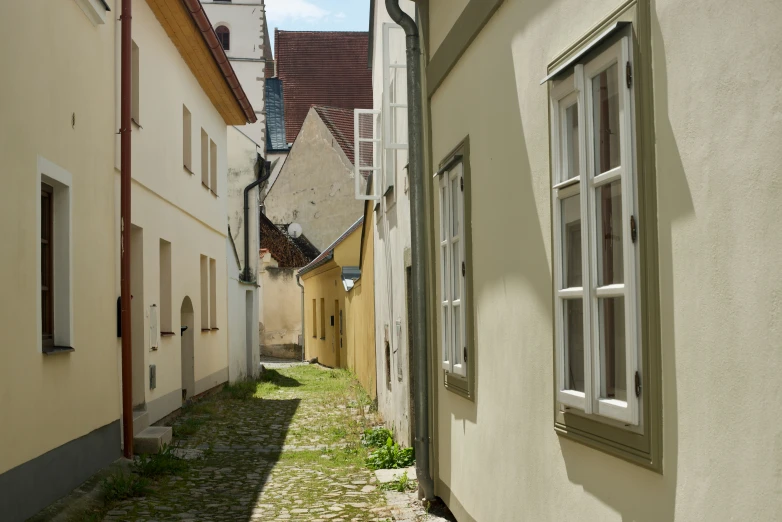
[287,445]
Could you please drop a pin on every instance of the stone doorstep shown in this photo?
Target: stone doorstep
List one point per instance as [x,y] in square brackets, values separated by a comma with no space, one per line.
[140,421]
[152,440]
[384,476]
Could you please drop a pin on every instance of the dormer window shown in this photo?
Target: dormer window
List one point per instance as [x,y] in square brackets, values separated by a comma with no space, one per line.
[224,36]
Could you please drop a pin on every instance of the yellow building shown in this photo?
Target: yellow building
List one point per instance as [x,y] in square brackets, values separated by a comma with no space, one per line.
[339,305]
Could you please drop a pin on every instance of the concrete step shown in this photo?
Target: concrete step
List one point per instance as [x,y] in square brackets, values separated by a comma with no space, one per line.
[140,421]
[152,440]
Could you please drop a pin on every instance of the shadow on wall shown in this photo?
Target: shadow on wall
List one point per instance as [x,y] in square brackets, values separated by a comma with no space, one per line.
[652,497]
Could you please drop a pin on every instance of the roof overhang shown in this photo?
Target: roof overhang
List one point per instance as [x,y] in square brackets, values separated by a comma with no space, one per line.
[188,27]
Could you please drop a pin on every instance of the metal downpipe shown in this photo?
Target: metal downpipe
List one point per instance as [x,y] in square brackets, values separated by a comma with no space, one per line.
[125,228]
[265,173]
[420,373]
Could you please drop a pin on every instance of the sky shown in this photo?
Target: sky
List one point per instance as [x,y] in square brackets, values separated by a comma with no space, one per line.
[317,15]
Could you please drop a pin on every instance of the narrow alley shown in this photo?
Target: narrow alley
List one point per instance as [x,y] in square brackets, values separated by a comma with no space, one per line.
[287,447]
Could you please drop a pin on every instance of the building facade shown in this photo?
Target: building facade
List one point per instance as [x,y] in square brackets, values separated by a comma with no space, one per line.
[59,354]
[600,258]
[391,231]
[242,32]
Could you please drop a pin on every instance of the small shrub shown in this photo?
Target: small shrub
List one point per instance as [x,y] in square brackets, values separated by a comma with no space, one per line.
[402,484]
[375,437]
[122,486]
[391,456]
[164,463]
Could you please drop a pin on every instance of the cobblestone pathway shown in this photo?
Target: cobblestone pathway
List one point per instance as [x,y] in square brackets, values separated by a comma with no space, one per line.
[288,451]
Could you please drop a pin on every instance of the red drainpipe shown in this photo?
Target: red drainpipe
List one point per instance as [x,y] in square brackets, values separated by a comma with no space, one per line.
[125,176]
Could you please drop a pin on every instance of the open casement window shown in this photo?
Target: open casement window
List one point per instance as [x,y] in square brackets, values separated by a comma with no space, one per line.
[394,87]
[367,151]
[452,270]
[595,238]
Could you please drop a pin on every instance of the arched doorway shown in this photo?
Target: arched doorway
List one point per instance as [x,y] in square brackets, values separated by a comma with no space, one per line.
[188,348]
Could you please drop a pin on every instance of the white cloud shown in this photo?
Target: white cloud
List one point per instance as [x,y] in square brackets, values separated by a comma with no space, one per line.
[340,16]
[279,11]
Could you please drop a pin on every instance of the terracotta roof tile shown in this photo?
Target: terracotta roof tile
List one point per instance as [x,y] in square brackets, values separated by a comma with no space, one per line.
[322,68]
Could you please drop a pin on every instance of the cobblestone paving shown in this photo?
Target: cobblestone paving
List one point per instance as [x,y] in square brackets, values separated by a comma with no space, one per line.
[289,452]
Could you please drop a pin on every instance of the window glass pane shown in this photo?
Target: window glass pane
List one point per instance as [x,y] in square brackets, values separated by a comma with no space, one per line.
[571,241]
[605,106]
[444,272]
[612,348]
[608,207]
[455,206]
[574,345]
[443,213]
[446,340]
[457,335]
[456,270]
[571,143]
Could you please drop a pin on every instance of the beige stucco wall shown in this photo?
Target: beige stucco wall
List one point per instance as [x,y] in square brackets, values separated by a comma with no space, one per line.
[717,136]
[39,394]
[171,203]
[281,321]
[315,187]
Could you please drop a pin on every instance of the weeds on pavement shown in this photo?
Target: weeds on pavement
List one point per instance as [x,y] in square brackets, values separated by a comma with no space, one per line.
[121,486]
[164,463]
[402,484]
[391,456]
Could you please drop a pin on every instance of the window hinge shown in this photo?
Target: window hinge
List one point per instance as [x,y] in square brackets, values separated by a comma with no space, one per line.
[462,183]
[633,229]
[464,269]
[629,74]
[637,384]
[465,354]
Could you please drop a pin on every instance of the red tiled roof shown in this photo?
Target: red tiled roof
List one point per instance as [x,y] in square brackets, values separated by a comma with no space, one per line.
[340,124]
[321,68]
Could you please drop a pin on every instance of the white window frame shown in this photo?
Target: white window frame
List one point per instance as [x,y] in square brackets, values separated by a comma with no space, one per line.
[375,168]
[62,256]
[451,246]
[577,88]
[390,103]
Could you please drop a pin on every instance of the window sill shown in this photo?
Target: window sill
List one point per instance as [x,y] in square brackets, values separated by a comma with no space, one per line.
[54,350]
[213,192]
[206,186]
[458,385]
[137,124]
[188,170]
[206,330]
[215,329]
[167,334]
[322,338]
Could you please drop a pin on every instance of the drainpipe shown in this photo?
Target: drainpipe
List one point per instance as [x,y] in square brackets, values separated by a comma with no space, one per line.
[419,374]
[303,335]
[265,173]
[125,176]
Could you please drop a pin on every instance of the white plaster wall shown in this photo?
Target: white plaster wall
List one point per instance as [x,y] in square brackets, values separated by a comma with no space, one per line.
[242,159]
[717,135]
[237,322]
[64,69]
[170,203]
[392,238]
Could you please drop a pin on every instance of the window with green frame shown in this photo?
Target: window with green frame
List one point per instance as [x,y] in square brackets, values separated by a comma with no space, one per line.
[606,346]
